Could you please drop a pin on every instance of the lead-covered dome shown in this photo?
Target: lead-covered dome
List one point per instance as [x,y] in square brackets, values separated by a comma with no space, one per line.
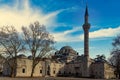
[66,47]
[66,54]
[67,50]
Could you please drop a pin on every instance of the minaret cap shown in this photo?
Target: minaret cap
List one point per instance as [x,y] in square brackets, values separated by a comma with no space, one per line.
[86,11]
[86,15]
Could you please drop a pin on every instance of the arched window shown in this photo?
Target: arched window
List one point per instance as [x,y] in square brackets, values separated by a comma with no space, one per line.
[48,67]
[54,72]
[40,71]
[23,70]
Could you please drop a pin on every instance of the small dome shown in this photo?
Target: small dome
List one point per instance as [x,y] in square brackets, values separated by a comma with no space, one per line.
[22,56]
[30,57]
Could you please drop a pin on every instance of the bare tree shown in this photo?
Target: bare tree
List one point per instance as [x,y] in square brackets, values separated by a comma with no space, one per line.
[11,45]
[115,55]
[39,42]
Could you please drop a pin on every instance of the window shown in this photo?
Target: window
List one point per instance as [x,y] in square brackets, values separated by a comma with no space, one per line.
[64,72]
[48,72]
[66,50]
[69,72]
[77,73]
[48,67]
[59,72]
[23,70]
[77,53]
[40,71]
[54,71]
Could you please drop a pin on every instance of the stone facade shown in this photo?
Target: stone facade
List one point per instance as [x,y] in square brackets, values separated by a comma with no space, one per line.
[102,70]
[43,68]
[76,67]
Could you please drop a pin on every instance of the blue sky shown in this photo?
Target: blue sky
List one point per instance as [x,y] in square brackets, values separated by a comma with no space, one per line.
[64,20]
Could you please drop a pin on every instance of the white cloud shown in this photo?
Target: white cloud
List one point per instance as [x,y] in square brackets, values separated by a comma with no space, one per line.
[81,50]
[66,35]
[98,34]
[22,14]
[103,33]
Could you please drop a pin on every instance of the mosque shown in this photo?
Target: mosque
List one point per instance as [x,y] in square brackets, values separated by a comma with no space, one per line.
[66,62]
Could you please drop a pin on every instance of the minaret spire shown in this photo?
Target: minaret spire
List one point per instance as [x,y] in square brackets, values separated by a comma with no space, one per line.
[86,27]
[86,14]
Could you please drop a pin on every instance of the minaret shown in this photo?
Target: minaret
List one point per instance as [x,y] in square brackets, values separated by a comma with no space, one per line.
[86,62]
[86,27]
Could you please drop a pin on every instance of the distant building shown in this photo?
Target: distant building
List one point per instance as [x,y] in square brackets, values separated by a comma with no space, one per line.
[65,62]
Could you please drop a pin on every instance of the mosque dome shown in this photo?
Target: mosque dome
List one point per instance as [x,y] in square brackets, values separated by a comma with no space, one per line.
[66,47]
[66,54]
[67,50]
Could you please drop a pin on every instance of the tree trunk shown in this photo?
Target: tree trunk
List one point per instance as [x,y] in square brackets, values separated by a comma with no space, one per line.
[33,68]
[13,69]
[32,72]
[12,72]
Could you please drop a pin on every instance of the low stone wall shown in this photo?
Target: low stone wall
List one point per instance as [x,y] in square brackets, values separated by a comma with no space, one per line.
[46,78]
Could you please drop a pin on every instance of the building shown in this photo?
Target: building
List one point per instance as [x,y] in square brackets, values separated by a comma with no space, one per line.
[59,67]
[65,62]
[102,69]
[45,67]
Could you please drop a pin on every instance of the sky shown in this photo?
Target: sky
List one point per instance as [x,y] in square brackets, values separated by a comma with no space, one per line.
[64,20]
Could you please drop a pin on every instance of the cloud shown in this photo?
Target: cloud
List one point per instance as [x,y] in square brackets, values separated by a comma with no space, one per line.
[103,33]
[21,14]
[66,35]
